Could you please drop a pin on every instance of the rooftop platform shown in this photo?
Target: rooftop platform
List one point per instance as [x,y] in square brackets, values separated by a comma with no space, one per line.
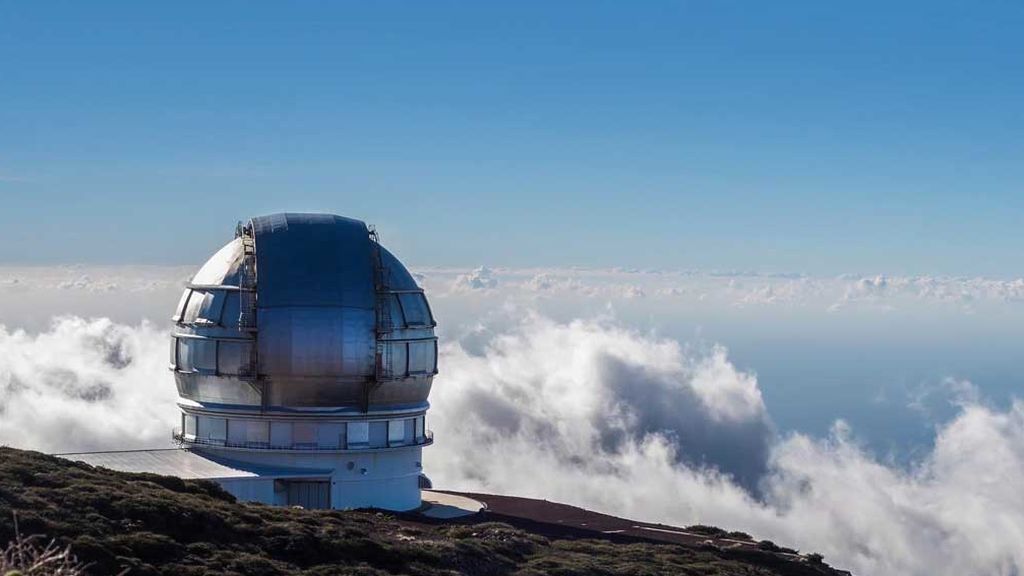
[184,464]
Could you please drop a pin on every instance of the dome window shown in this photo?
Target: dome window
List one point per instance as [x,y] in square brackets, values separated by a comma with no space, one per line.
[415,309]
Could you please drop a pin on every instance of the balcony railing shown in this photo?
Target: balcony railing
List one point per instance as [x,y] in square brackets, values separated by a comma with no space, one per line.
[183,439]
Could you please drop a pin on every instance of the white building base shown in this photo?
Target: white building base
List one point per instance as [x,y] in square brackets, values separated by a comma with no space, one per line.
[385,479]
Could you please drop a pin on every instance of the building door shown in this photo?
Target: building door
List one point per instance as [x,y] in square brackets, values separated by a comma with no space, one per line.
[310,494]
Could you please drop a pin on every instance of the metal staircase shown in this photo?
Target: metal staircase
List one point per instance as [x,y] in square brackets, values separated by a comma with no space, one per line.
[383,323]
[247,317]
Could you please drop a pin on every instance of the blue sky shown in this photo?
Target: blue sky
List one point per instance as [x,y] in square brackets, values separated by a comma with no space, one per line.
[803,136]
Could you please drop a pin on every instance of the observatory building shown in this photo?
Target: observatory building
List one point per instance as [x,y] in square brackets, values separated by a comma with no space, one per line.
[303,352]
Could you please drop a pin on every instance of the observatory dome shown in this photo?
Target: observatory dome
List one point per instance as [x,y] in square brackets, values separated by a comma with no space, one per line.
[304,312]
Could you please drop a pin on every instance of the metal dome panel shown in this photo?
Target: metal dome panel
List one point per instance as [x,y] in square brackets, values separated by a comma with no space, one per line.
[313,260]
[304,311]
[222,267]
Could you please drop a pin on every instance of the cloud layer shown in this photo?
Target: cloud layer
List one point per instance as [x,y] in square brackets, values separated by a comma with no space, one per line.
[532,411]
[595,414]
[85,385]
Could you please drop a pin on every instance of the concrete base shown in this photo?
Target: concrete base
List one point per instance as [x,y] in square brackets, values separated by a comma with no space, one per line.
[386,479]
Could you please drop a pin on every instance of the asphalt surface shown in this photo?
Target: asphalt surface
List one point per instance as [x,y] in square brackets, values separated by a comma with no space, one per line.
[561,520]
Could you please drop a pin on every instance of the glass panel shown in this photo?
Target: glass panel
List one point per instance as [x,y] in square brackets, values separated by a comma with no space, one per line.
[409,432]
[304,434]
[195,304]
[174,352]
[421,357]
[231,356]
[190,425]
[211,307]
[414,307]
[237,431]
[281,434]
[378,434]
[185,354]
[213,429]
[420,426]
[399,360]
[358,434]
[396,432]
[257,432]
[181,305]
[397,319]
[329,435]
[204,354]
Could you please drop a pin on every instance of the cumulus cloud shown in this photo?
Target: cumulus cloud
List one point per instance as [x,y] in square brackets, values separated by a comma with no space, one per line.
[593,413]
[84,282]
[589,413]
[481,278]
[589,387]
[85,385]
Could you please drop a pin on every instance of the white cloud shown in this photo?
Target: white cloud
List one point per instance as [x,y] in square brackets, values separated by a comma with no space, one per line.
[85,385]
[481,278]
[534,411]
[84,282]
[590,412]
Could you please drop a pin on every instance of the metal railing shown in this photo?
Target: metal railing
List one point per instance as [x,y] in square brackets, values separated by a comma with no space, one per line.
[182,439]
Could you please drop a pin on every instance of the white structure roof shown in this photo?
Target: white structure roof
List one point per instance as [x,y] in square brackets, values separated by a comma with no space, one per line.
[183,464]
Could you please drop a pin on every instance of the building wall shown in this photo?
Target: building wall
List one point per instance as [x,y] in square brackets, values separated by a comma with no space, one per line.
[250,489]
[363,479]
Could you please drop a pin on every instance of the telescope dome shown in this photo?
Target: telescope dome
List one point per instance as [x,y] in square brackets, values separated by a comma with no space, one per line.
[304,312]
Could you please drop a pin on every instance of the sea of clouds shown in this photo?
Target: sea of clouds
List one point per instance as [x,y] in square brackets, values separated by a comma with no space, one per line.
[559,396]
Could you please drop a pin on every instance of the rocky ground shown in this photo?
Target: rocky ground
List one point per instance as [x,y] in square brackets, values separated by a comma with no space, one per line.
[148,524]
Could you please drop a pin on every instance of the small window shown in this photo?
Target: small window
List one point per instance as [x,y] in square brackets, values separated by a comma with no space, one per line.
[329,435]
[184,354]
[420,427]
[194,305]
[174,352]
[358,434]
[396,432]
[180,310]
[257,432]
[281,434]
[397,319]
[248,432]
[304,434]
[212,306]
[189,425]
[399,360]
[212,429]
[410,430]
[196,354]
[378,434]
[204,354]
[422,357]
[414,309]
[232,356]
[237,432]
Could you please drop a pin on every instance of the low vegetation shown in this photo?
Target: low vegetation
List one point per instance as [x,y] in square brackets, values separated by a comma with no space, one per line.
[142,524]
[29,557]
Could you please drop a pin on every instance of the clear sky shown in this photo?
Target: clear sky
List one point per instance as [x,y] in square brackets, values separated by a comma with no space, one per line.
[817,137]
